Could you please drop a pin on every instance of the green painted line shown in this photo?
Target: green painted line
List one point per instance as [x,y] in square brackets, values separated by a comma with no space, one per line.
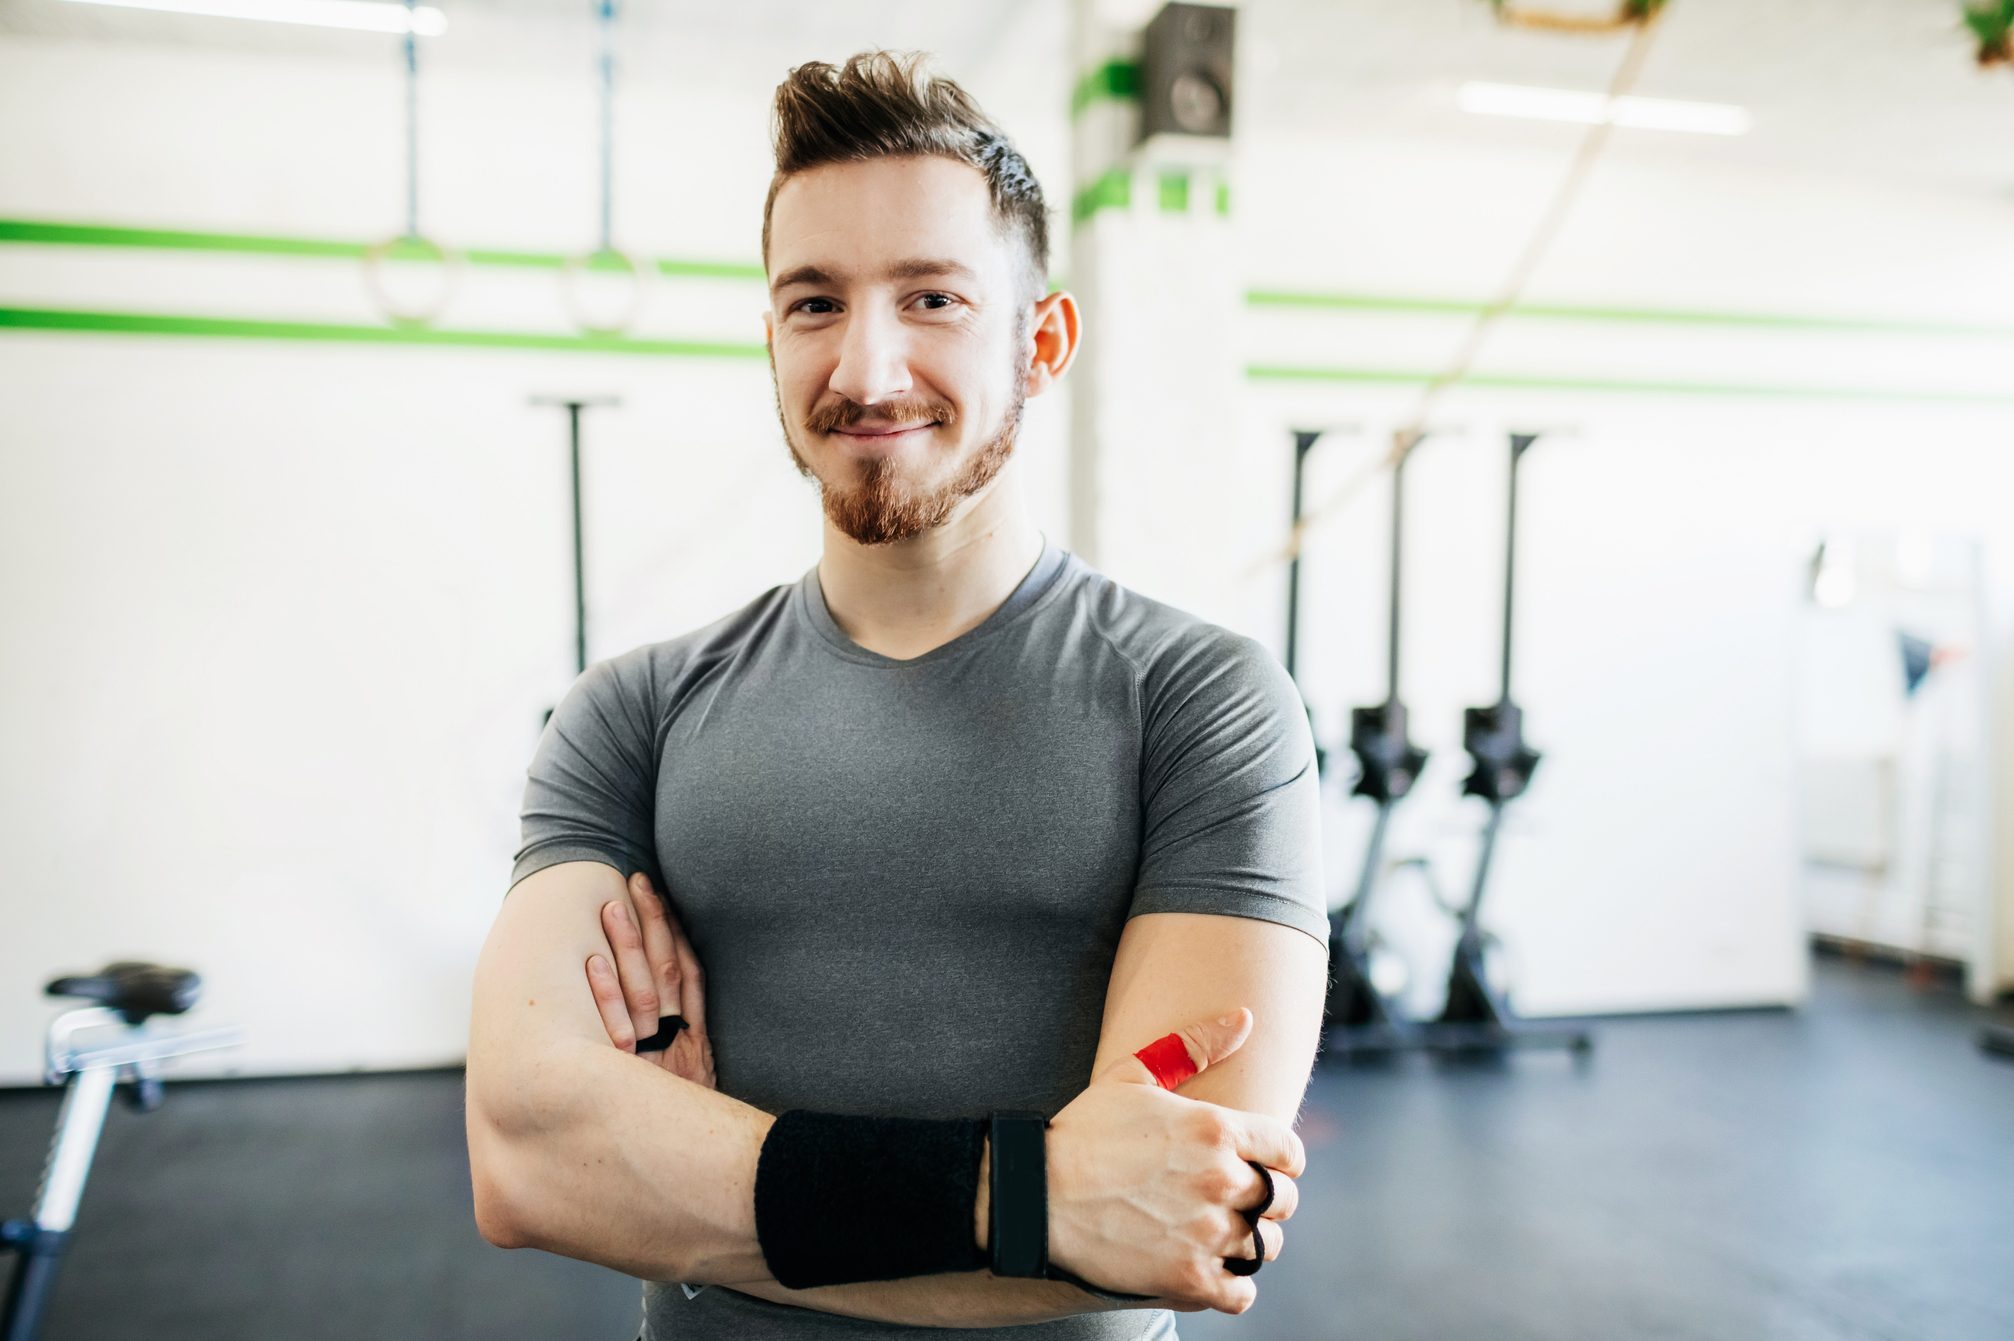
[1114,190]
[178,325]
[240,328]
[1115,80]
[1364,302]
[1175,192]
[1262,372]
[1224,199]
[256,244]
[92,235]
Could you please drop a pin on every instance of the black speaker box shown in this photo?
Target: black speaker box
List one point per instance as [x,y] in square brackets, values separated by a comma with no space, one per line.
[1185,72]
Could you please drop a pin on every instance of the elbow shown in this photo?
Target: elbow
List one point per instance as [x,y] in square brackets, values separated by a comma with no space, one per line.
[499,1203]
[508,1129]
[496,1219]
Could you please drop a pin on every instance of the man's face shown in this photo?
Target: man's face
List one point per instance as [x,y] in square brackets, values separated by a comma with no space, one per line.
[897,339]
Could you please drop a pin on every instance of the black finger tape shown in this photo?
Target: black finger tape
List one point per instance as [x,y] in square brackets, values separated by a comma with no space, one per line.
[667,1029]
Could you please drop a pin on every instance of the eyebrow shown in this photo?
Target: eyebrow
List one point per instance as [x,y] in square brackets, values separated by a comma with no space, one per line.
[914,268]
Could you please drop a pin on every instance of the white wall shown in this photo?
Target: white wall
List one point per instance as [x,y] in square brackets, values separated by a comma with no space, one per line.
[281,619]
[1664,538]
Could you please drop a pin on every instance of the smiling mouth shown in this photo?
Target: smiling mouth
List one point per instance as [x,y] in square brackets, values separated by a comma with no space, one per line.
[885,432]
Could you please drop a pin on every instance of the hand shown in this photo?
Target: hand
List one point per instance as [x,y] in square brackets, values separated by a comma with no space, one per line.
[655,973]
[1146,1187]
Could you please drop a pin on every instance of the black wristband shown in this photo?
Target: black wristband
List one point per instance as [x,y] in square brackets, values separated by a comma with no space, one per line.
[1018,1194]
[1017,1212]
[840,1198]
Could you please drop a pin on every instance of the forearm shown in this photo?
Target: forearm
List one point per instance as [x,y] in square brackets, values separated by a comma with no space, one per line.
[959,1299]
[590,1153]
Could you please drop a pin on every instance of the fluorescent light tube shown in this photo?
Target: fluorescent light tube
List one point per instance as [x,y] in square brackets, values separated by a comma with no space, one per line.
[371,16]
[1589,109]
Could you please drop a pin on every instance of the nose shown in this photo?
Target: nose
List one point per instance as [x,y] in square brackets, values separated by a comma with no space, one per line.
[873,358]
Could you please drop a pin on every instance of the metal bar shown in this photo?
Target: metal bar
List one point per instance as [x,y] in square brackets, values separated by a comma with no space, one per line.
[1520,444]
[1304,442]
[83,1117]
[573,409]
[1472,914]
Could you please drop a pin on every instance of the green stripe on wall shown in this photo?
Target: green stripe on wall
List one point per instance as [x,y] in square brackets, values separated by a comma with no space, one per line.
[1438,307]
[1114,190]
[175,325]
[256,244]
[1111,190]
[1175,192]
[1517,382]
[240,328]
[1117,80]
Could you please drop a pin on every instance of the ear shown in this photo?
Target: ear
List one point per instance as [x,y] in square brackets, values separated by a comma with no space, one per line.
[769,330]
[1052,340]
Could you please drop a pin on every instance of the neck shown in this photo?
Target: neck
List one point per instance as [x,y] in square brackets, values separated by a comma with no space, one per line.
[904,599]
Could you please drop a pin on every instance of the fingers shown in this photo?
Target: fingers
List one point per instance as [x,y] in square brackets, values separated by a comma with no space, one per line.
[682,983]
[1235,1294]
[1286,1196]
[608,1000]
[1269,1141]
[632,966]
[1173,1058]
[659,945]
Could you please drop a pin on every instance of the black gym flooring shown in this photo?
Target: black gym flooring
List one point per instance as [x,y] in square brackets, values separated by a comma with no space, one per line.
[1842,1171]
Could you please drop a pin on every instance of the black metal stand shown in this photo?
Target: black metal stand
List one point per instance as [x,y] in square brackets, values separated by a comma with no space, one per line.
[1304,442]
[573,408]
[1477,1016]
[1358,1019]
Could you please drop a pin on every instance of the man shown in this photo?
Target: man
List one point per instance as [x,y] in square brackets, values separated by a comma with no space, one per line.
[954,824]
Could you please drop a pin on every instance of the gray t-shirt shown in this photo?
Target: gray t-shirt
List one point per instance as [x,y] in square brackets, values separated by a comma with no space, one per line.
[906,879]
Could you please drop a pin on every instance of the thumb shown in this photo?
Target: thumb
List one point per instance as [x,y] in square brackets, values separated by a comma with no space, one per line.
[1206,1042]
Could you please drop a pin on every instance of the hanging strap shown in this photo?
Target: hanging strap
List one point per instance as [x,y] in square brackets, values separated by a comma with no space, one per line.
[607,122]
[412,122]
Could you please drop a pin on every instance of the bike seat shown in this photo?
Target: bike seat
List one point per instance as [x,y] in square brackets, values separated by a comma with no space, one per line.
[134,989]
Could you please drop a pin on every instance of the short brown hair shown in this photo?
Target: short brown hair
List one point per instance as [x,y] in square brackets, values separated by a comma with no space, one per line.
[884,104]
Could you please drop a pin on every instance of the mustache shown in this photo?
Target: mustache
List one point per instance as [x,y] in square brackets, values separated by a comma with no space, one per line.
[846,413]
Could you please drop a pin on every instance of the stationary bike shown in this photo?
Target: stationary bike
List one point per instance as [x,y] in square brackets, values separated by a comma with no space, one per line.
[90,1051]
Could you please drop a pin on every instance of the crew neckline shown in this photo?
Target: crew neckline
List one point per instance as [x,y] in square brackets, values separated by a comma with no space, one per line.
[1038,582]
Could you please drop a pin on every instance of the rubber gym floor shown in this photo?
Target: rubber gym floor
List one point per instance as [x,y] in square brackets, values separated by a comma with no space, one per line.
[1842,1171]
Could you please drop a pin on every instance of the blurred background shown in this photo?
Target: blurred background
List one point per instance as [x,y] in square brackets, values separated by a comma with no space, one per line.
[300,540]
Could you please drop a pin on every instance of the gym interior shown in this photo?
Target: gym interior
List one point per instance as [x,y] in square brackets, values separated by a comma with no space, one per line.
[1602,408]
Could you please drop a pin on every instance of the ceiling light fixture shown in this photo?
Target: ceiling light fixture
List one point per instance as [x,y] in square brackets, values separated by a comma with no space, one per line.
[371,16]
[1592,109]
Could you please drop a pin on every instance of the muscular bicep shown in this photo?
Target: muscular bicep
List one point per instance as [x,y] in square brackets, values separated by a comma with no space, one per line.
[531,989]
[1173,968]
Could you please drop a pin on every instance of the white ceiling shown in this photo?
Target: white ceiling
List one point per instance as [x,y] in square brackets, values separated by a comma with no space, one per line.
[1880,89]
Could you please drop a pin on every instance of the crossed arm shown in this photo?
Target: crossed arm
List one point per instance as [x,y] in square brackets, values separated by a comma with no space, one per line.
[554,1110]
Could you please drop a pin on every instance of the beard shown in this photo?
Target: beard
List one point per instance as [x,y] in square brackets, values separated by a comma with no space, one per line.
[879,505]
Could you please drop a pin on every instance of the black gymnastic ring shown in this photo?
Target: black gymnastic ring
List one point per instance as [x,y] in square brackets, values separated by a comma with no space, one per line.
[667,1030]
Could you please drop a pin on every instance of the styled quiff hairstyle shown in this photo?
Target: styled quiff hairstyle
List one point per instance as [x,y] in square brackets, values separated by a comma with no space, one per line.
[884,104]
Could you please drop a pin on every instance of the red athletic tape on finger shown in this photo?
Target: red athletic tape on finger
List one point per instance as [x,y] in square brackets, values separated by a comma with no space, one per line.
[1168,1058]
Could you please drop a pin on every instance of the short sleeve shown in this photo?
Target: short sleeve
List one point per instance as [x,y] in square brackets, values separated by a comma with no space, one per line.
[1230,794]
[590,793]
